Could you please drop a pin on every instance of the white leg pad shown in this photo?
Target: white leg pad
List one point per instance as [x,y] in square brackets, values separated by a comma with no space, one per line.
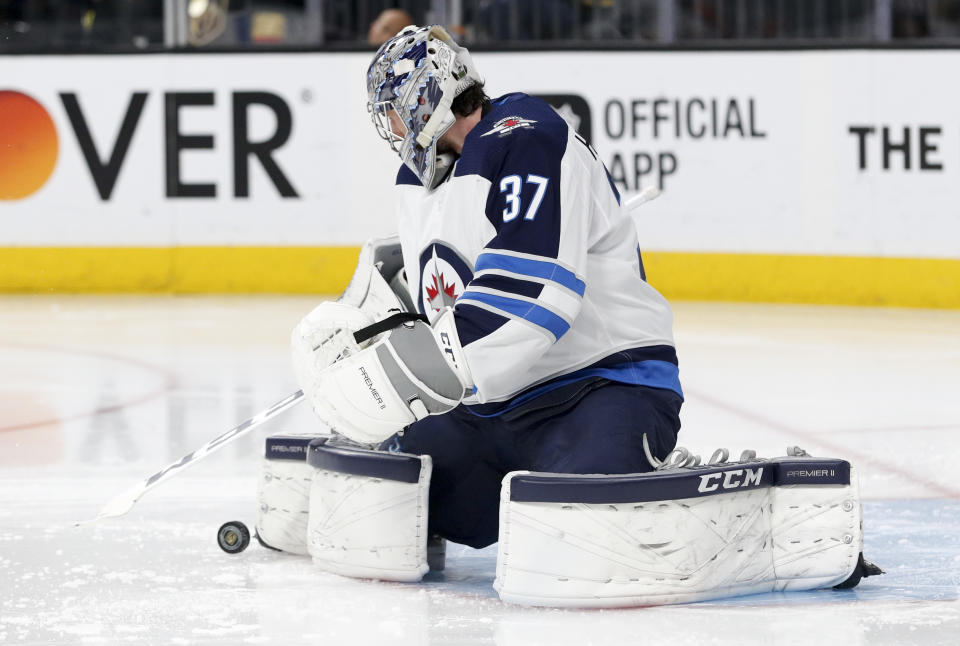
[602,551]
[817,534]
[283,494]
[368,513]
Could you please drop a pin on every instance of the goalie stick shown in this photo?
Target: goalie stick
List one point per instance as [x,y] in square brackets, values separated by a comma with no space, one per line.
[646,195]
[124,502]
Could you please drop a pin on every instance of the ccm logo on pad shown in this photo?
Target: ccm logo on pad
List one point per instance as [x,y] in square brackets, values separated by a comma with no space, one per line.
[733,479]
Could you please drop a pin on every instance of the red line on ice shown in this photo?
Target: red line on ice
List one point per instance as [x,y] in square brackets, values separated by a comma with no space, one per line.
[841,449]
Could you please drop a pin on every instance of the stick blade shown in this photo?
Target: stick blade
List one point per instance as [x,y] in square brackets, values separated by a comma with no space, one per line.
[117,506]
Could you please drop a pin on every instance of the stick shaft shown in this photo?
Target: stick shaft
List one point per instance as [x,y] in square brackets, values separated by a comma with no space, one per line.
[646,195]
[125,501]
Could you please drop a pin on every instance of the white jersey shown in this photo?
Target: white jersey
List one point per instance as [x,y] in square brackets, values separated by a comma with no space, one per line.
[526,238]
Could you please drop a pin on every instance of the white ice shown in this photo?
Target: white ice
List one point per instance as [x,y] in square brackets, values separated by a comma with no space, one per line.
[98,392]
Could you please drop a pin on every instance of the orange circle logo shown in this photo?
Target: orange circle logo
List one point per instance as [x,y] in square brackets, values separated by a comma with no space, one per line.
[28,145]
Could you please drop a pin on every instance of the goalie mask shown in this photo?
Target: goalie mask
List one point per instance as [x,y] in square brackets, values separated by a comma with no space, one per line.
[411,85]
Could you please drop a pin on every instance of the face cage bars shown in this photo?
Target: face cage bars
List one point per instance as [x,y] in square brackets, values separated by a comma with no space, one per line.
[380,115]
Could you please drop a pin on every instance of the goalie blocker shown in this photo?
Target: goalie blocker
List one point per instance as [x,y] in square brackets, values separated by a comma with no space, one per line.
[679,535]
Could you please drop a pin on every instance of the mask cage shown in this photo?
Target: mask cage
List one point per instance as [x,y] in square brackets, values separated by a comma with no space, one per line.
[392,130]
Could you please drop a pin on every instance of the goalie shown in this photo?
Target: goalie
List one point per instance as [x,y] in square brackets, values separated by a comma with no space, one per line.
[546,349]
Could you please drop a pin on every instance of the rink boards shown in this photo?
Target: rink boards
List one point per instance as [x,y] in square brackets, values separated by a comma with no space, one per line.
[800,176]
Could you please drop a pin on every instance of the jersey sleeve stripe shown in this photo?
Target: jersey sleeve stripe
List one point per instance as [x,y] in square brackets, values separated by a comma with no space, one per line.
[520,309]
[557,309]
[560,300]
[528,267]
[525,278]
[510,284]
[543,332]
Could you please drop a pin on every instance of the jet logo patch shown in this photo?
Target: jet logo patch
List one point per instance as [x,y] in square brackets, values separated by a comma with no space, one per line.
[443,277]
[509,124]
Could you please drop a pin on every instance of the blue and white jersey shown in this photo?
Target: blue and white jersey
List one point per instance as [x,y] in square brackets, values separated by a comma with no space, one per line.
[527,240]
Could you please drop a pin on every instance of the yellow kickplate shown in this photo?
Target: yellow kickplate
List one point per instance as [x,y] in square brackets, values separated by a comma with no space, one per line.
[842,280]
[839,280]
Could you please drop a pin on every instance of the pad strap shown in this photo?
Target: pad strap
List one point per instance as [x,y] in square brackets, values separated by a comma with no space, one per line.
[392,321]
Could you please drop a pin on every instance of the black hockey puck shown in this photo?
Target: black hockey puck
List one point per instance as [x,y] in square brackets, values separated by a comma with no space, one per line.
[233,537]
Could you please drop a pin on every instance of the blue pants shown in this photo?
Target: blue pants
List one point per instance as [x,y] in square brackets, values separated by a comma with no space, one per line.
[597,431]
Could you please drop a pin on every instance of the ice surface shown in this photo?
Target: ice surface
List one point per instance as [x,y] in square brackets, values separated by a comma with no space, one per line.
[98,392]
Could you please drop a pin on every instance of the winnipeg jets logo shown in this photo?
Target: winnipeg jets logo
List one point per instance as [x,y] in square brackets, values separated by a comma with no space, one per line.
[441,293]
[441,283]
[443,277]
[509,125]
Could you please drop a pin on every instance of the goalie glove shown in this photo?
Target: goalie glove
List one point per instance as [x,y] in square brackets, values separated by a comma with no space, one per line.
[377,290]
[379,283]
[403,375]
[324,336]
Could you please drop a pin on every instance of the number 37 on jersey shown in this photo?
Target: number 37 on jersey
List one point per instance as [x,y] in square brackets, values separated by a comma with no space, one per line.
[511,187]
